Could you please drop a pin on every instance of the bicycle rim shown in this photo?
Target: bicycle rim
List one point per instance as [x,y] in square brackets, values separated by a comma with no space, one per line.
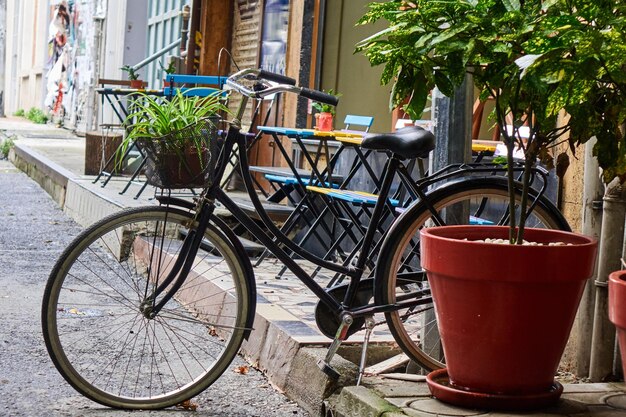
[415,329]
[102,342]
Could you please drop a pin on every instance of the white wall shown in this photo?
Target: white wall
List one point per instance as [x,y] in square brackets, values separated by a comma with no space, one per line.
[25,54]
[124,42]
[135,34]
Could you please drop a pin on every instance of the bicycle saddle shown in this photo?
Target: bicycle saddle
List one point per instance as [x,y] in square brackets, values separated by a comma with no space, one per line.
[408,142]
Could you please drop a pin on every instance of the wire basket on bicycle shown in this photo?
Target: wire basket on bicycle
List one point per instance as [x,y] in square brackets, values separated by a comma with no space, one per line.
[184,158]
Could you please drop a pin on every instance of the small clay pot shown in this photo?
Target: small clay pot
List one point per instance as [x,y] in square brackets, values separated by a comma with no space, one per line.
[324,122]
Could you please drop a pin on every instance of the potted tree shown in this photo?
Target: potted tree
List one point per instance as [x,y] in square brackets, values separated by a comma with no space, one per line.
[539,61]
[325,114]
[178,135]
[133,77]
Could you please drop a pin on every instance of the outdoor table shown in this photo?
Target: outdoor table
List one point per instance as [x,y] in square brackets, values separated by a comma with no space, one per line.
[118,99]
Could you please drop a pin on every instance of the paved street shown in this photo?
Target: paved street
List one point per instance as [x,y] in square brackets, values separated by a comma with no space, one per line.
[33,233]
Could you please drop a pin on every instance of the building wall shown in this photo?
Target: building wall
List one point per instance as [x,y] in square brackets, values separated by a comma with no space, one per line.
[123,41]
[82,71]
[572,186]
[25,58]
[351,74]
[96,31]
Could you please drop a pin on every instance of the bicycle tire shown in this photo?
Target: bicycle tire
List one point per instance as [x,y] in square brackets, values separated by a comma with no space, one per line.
[111,352]
[415,330]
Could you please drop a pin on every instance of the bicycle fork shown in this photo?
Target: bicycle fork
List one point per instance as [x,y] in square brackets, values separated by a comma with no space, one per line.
[180,270]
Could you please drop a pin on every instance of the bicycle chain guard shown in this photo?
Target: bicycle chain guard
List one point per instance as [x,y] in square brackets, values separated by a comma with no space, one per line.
[328,321]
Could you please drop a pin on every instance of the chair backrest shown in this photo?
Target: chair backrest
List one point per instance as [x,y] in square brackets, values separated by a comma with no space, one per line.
[193,85]
[365,122]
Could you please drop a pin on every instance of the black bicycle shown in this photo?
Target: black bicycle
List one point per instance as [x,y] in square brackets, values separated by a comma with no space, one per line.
[147,307]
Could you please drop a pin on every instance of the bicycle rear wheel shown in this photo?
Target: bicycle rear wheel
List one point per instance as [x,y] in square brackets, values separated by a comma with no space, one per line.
[473,201]
[101,337]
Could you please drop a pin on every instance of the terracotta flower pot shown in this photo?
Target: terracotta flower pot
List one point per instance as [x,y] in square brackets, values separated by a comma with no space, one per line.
[138,84]
[617,309]
[504,312]
[324,122]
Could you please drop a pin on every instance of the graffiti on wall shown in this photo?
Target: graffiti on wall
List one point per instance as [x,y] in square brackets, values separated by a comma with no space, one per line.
[71,60]
[58,61]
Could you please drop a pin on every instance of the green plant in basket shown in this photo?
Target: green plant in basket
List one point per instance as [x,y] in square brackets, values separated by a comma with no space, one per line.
[180,127]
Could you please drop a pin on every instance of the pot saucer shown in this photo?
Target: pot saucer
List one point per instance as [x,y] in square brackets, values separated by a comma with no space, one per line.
[440,387]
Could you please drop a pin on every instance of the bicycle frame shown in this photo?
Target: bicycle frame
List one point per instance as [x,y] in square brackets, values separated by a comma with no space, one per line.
[275,240]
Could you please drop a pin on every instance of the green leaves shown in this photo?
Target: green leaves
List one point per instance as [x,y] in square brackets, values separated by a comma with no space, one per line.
[155,117]
[511,5]
[539,57]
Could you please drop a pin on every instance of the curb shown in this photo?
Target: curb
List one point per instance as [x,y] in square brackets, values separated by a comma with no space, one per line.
[359,401]
[52,177]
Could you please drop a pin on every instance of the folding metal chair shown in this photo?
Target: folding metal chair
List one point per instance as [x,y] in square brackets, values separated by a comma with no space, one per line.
[330,225]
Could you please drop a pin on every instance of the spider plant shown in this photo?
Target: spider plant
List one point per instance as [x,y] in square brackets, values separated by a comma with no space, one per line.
[158,119]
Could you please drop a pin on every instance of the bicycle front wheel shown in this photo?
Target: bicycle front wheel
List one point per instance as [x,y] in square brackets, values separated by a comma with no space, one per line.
[96,320]
[473,201]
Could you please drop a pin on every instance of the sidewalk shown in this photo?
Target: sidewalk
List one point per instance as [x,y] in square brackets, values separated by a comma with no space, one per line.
[285,343]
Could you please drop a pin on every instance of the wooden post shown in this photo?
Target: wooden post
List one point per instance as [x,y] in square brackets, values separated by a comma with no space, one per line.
[609,253]
[452,118]
[196,9]
[216,27]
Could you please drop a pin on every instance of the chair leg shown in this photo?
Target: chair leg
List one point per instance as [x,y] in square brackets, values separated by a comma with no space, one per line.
[135,174]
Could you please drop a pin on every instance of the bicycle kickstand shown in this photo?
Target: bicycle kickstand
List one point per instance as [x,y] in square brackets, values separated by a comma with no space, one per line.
[369,326]
[340,336]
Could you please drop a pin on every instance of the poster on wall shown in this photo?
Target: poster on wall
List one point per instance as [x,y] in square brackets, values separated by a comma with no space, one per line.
[58,61]
[274,39]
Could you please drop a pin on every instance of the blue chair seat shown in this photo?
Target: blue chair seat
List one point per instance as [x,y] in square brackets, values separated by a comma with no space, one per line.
[294,180]
[354,197]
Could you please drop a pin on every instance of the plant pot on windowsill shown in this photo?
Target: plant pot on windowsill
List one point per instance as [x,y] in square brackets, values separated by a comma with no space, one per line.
[617,310]
[504,312]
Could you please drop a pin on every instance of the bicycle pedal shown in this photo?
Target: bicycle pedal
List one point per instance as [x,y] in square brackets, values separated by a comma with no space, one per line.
[328,370]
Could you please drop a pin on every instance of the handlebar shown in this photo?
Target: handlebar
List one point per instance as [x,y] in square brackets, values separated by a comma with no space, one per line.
[271,76]
[265,83]
[320,96]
